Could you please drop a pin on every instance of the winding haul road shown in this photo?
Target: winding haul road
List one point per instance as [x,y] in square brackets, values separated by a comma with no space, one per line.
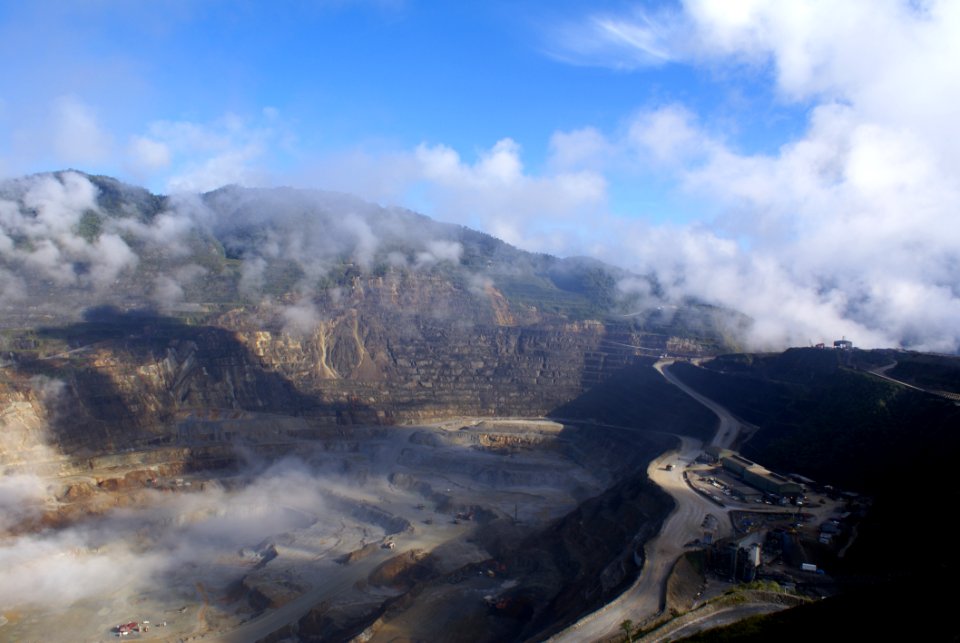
[729,428]
[643,599]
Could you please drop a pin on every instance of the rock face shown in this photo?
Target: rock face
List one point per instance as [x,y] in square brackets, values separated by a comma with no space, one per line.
[126,380]
[286,310]
[251,316]
[144,339]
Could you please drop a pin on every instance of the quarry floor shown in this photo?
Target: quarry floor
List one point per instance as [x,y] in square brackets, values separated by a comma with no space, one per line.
[330,528]
[235,558]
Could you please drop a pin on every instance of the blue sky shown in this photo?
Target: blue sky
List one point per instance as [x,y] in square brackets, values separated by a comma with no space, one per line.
[732,147]
[345,75]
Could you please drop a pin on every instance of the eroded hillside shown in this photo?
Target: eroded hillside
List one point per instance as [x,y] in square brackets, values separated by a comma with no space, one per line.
[239,380]
[133,319]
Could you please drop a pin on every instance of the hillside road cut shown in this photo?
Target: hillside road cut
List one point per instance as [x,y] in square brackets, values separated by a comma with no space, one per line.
[643,599]
[729,428]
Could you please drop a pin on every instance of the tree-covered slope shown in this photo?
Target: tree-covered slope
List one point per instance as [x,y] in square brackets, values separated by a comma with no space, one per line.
[818,415]
[69,241]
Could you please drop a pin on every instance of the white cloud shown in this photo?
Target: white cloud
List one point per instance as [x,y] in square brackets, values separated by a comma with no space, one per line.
[148,154]
[159,535]
[113,257]
[579,149]
[494,193]
[231,166]
[252,275]
[167,291]
[300,319]
[361,238]
[846,231]
[58,203]
[202,156]
[636,40]
[440,250]
[12,288]
[77,135]
[821,48]
[668,136]
[21,496]
[849,228]
[48,224]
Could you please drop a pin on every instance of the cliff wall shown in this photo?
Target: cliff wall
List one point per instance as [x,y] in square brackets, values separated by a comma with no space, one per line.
[384,353]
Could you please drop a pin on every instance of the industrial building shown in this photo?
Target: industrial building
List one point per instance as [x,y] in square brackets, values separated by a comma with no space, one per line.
[715,454]
[770,482]
[755,475]
[737,559]
[737,464]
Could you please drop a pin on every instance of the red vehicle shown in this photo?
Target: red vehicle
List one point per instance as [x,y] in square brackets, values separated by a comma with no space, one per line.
[126,628]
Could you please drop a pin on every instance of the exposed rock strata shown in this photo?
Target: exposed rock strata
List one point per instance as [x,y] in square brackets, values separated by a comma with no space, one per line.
[125,381]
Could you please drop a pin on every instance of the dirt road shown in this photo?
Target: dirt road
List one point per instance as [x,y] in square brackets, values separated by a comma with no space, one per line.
[684,524]
[642,600]
[729,428]
[719,618]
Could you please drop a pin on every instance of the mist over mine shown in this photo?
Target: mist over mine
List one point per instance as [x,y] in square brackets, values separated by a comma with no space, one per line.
[261,413]
[392,321]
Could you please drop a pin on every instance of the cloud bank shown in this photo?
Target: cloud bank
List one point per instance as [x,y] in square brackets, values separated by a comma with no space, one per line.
[166,534]
[848,227]
[69,241]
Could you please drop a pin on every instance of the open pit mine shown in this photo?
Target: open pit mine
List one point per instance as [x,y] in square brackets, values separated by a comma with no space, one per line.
[275,415]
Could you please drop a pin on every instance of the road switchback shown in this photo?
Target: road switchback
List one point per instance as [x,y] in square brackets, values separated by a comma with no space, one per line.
[643,600]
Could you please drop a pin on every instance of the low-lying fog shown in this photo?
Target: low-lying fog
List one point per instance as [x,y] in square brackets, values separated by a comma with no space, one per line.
[134,547]
[192,551]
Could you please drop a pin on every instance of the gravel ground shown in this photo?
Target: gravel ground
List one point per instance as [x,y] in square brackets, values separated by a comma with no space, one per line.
[282,533]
